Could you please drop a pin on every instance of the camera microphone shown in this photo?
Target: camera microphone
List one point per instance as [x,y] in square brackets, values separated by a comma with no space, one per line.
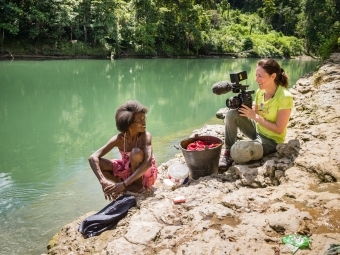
[244,96]
[222,87]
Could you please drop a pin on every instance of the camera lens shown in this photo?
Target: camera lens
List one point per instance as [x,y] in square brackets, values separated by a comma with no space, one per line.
[234,102]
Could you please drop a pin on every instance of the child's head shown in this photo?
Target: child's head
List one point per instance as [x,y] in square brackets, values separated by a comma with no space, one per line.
[125,114]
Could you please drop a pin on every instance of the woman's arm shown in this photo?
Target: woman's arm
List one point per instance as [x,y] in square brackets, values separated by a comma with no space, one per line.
[280,124]
[146,139]
[94,160]
[277,127]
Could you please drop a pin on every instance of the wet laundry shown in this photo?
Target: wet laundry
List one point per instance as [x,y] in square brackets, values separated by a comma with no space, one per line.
[200,145]
[108,217]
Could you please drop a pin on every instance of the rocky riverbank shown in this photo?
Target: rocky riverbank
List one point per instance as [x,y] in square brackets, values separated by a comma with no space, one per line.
[248,209]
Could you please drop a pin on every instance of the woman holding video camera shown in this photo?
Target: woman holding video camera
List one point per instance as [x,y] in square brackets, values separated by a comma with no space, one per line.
[265,124]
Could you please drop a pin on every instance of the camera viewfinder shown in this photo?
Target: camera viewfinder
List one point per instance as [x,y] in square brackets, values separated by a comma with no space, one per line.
[237,77]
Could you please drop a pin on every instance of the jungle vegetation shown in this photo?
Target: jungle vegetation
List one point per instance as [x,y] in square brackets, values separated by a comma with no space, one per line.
[246,28]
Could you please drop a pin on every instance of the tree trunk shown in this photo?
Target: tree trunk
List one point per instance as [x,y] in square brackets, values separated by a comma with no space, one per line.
[85,31]
[2,39]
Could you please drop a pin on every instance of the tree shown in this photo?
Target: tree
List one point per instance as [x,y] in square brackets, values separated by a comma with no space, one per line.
[67,17]
[268,10]
[9,22]
[320,16]
[104,22]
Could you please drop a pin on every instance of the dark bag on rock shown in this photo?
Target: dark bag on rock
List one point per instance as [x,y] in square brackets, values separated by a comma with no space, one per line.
[108,217]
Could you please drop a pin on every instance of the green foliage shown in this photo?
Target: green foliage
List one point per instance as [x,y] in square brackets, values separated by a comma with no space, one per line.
[248,44]
[9,21]
[167,50]
[268,10]
[320,27]
[331,44]
[277,28]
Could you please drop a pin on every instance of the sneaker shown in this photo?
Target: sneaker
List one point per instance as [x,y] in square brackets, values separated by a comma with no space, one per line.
[225,162]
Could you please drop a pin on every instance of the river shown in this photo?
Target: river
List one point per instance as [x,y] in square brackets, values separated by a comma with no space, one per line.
[55,113]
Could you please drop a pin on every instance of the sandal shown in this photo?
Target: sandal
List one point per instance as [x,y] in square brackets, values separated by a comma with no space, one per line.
[225,162]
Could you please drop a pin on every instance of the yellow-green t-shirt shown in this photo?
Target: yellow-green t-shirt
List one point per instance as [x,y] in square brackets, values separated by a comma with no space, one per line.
[282,99]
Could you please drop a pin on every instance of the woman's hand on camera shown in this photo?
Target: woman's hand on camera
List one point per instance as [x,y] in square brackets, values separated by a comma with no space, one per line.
[247,112]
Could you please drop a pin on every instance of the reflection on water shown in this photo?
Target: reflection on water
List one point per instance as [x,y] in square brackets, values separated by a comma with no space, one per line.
[6,186]
[54,114]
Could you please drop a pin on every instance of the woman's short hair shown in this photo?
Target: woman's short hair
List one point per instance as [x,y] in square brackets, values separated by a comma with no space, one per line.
[271,66]
[125,114]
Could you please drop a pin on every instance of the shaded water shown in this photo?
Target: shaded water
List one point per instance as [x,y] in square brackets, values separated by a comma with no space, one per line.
[54,114]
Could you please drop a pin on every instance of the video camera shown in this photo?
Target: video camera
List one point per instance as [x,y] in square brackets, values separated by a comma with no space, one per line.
[244,96]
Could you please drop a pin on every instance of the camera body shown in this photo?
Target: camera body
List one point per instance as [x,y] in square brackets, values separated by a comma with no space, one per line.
[244,96]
